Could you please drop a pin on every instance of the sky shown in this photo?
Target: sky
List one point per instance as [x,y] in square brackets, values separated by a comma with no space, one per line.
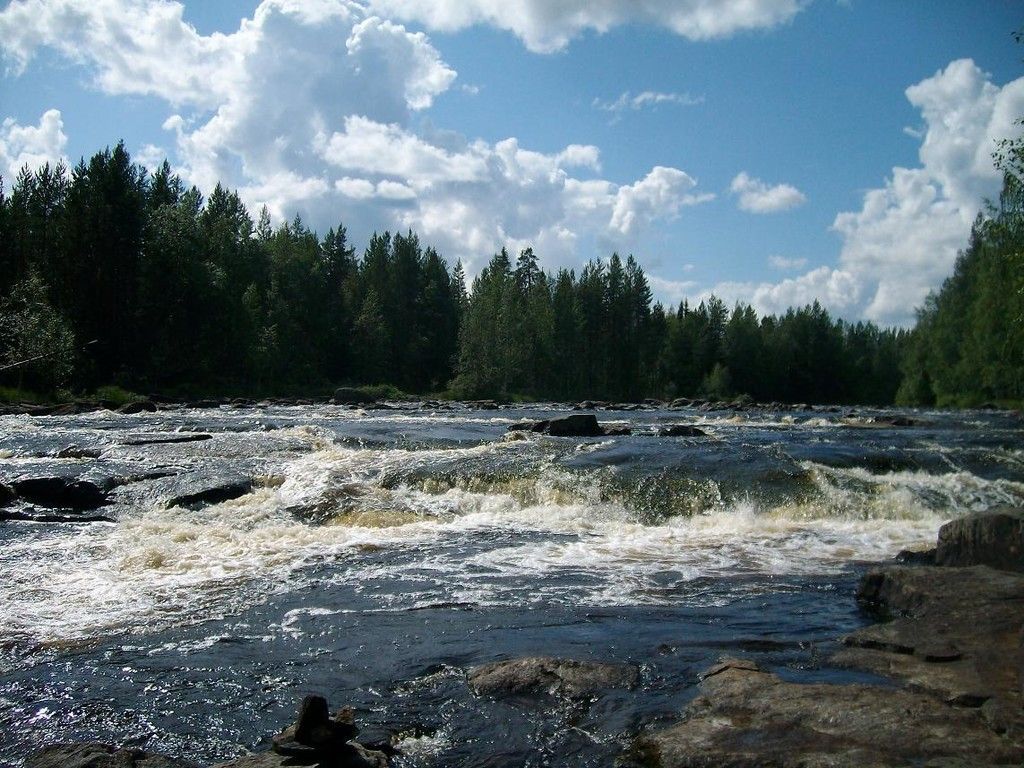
[772,152]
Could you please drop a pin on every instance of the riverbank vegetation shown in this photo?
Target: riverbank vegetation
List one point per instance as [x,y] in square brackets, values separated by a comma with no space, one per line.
[110,275]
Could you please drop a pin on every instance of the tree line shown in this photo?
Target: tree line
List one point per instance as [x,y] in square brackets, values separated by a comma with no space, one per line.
[112,275]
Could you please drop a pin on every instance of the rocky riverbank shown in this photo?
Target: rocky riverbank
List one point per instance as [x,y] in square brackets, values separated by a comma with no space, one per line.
[949,650]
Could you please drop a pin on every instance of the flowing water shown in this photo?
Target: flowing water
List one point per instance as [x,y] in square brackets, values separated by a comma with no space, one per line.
[380,554]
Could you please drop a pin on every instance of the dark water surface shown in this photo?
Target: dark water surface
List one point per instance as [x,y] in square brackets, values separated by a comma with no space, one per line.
[381,553]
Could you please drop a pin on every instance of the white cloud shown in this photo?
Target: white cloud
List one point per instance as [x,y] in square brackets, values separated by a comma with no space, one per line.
[785,262]
[834,288]
[757,197]
[670,292]
[903,241]
[548,25]
[658,195]
[645,100]
[31,145]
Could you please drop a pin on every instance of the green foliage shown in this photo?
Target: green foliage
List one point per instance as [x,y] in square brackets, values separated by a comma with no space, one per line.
[116,395]
[37,346]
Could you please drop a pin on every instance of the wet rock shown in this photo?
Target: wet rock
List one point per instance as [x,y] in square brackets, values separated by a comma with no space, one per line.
[7,495]
[915,557]
[315,732]
[521,426]
[577,425]
[63,492]
[748,718]
[617,431]
[35,516]
[318,738]
[95,755]
[138,406]
[994,538]
[954,633]
[194,437]
[215,492]
[541,674]
[681,430]
[77,452]
[351,396]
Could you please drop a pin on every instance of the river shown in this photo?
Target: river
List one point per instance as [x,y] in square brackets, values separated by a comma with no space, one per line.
[380,553]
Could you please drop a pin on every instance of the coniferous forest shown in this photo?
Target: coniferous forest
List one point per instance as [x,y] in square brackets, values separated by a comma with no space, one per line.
[112,275]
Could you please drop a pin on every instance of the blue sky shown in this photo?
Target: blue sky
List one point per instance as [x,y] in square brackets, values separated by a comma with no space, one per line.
[770,151]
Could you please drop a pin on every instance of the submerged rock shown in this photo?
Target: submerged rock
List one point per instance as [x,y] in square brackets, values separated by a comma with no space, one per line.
[541,674]
[192,437]
[994,538]
[748,718]
[96,755]
[681,430]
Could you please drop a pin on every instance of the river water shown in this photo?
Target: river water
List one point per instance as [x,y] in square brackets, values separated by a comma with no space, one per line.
[380,554]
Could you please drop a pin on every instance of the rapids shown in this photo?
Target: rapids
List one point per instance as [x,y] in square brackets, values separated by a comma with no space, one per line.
[380,553]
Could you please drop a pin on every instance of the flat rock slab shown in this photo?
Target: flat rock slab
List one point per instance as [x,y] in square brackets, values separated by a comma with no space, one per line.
[353,756]
[748,718]
[96,755]
[544,675]
[954,632]
[213,492]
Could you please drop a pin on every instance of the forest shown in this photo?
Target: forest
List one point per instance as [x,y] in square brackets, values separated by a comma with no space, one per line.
[111,275]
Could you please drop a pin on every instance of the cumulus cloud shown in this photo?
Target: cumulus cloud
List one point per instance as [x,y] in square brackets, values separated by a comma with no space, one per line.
[308,107]
[646,100]
[903,241]
[755,196]
[31,145]
[545,26]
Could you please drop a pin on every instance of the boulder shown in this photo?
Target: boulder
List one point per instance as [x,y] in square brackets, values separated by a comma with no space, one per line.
[215,492]
[96,755]
[351,396]
[541,674]
[7,495]
[63,492]
[994,538]
[745,717]
[318,738]
[681,430]
[577,425]
[138,406]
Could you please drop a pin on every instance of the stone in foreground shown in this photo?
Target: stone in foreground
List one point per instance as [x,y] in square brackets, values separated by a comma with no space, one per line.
[748,718]
[95,755]
[541,674]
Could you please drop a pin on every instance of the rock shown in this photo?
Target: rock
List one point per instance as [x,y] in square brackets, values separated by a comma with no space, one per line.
[617,431]
[315,732]
[915,557]
[748,718]
[96,755]
[76,452]
[215,493]
[351,396]
[33,516]
[954,633]
[994,538]
[521,426]
[206,403]
[681,430]
[540,674]
[577,425]
[318,738]
[138,406]
[63,492]
[7,495]
[169,439]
